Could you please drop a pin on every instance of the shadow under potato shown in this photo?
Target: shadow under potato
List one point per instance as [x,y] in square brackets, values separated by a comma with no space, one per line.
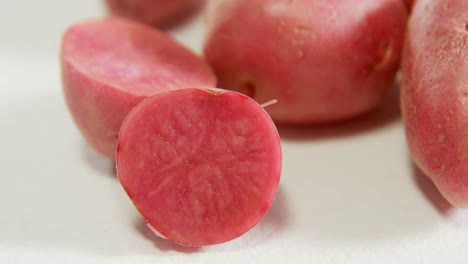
[185,16]
[430,191]
[101,164]
[276,219]
[273,222]
[386,113]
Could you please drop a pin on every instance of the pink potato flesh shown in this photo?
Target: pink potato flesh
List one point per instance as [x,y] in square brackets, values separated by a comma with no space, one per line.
[153,12]
[435,94]
[322,60]
[202,166]
[109,66]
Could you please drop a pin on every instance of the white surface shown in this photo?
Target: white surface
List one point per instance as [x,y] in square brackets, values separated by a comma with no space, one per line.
[349,193]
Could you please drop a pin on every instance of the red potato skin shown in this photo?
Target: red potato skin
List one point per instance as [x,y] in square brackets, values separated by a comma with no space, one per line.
[435,94]
[153,12]
[98,109]
[202,166]
[109,66]
[322,60]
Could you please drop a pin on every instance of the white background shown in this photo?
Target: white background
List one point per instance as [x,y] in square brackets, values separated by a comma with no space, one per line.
[349,193]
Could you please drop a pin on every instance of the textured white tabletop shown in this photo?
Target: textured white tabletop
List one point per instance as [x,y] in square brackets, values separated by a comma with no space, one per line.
[349,193]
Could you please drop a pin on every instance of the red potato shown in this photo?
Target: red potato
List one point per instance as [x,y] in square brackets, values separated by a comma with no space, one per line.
[202,166]
[153,12]
[322,60]
[109,66]
[435,94]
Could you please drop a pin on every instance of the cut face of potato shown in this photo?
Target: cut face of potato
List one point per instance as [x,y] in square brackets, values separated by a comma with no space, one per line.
[202,166]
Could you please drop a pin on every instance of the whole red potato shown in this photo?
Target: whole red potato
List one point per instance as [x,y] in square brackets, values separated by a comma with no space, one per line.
[154,12]
[322,60]
[435,94]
